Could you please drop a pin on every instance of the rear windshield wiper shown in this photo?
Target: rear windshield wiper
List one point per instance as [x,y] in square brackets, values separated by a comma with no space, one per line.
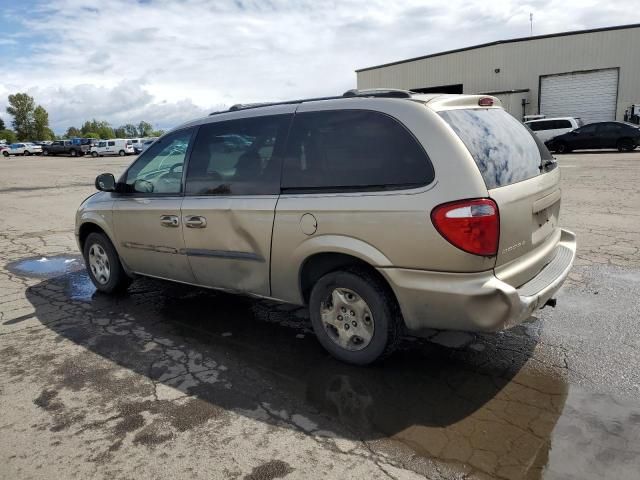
[546,163]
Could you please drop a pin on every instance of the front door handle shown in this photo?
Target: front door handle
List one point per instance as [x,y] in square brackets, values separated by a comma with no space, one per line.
[195,221]
[169,220]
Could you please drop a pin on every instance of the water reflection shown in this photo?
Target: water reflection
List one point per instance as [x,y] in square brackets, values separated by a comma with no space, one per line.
[47,266]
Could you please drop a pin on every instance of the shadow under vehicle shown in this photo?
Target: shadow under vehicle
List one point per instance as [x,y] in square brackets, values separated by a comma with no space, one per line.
[474,411]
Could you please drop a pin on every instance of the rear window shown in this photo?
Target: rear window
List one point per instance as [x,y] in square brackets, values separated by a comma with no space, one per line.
[504,150]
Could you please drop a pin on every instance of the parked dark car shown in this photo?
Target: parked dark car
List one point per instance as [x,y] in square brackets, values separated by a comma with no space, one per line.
[623,136]
[67,147]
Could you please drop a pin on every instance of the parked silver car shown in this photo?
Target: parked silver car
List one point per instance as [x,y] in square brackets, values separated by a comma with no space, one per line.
[383,211]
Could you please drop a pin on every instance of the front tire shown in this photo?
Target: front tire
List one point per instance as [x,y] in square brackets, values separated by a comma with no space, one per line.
[103,264]
[74,153]
[26,153]
[94,154]
[45,152]
[562,147]
[355,316]
[6,154]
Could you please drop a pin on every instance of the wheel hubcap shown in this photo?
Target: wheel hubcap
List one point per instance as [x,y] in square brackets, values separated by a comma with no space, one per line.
[347,319]
[99,264]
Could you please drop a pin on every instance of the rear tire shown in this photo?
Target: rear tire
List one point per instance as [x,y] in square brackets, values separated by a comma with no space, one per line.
[26,153]
[355,316]
[626,145]
[74,153]
[121,153]
[103,264]
[45,152]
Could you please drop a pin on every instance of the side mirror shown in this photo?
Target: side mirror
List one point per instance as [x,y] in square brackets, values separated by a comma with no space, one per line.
[106,182]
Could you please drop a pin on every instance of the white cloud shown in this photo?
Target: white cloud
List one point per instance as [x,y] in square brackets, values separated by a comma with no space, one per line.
[168,61]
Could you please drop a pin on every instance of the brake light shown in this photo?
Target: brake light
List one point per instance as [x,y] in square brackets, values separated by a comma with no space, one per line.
[486,102]
[470,225]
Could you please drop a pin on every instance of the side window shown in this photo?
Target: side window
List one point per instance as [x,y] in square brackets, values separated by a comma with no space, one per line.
[535,126]
[350,150]
[563,124]
[102,144]
[237,157]
[609,128]
[159,168]
[111,144]
[587,129]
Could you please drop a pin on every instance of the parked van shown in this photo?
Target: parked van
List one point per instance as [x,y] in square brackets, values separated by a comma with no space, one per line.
[117,146]
[548,128]
[383,211]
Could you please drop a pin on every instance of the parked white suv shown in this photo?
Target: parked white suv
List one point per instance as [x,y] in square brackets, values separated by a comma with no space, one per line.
[117,146]
[548,128]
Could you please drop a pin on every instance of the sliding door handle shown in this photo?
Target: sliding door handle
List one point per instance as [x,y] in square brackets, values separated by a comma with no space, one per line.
[195,221]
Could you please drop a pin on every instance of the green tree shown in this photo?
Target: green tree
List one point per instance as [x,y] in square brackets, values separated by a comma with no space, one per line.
[92,135]
[2,125]
[157,133]
[144,129]
[8,136]
[21,108]
[99,127]
[130,130]
[120,132]
[41,130]
[73,132]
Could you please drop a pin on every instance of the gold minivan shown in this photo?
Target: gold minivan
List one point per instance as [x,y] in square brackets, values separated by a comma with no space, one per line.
[386,212]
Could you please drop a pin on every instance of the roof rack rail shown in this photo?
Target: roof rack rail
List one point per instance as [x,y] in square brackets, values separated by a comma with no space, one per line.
[242,106]
[372,92]
[378,92]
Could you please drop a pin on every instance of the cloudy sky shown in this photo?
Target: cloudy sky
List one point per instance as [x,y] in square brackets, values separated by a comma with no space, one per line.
[167,61]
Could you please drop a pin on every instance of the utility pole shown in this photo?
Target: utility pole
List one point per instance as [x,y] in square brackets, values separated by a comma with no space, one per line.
[531,24]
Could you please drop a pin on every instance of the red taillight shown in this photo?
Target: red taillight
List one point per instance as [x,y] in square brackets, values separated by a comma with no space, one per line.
[470,225]
[486,102]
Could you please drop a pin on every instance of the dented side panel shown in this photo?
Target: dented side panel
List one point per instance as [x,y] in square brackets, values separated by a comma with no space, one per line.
[233,250]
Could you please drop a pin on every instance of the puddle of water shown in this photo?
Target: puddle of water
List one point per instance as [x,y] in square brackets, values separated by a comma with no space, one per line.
[47,266]
[79,287]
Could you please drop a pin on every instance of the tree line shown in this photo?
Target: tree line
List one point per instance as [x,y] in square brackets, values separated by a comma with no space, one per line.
[31,122]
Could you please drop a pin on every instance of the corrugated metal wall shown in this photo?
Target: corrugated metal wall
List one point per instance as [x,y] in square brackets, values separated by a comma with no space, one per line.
[521,64]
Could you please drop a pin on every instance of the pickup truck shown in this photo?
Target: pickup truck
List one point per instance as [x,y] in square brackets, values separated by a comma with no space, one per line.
[66,147]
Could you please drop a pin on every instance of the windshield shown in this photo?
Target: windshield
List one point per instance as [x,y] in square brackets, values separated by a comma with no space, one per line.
[504,150]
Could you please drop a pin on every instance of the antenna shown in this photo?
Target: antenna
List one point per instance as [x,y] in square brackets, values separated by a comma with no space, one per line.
[531,24]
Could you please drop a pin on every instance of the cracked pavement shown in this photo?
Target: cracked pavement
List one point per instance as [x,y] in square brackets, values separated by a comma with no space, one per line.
[172,381]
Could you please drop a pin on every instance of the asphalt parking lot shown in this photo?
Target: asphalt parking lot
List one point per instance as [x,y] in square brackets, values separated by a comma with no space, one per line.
[175,382]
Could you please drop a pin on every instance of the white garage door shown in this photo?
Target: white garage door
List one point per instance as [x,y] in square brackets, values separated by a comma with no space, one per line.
[588,95]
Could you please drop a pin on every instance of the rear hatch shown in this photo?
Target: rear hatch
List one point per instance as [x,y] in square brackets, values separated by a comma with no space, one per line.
[523,180]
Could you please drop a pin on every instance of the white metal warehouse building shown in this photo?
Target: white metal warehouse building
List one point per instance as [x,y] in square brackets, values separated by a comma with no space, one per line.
[591,74]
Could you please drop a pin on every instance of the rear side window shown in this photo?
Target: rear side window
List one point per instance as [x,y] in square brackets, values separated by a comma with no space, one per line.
[542,125]
[563,124]
[353,150]
[504,150]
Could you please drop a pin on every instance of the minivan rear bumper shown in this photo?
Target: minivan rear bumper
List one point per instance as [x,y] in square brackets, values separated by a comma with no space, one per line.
[476,301]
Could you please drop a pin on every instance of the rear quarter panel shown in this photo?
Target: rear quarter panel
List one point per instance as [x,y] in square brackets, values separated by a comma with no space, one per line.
[386,229]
